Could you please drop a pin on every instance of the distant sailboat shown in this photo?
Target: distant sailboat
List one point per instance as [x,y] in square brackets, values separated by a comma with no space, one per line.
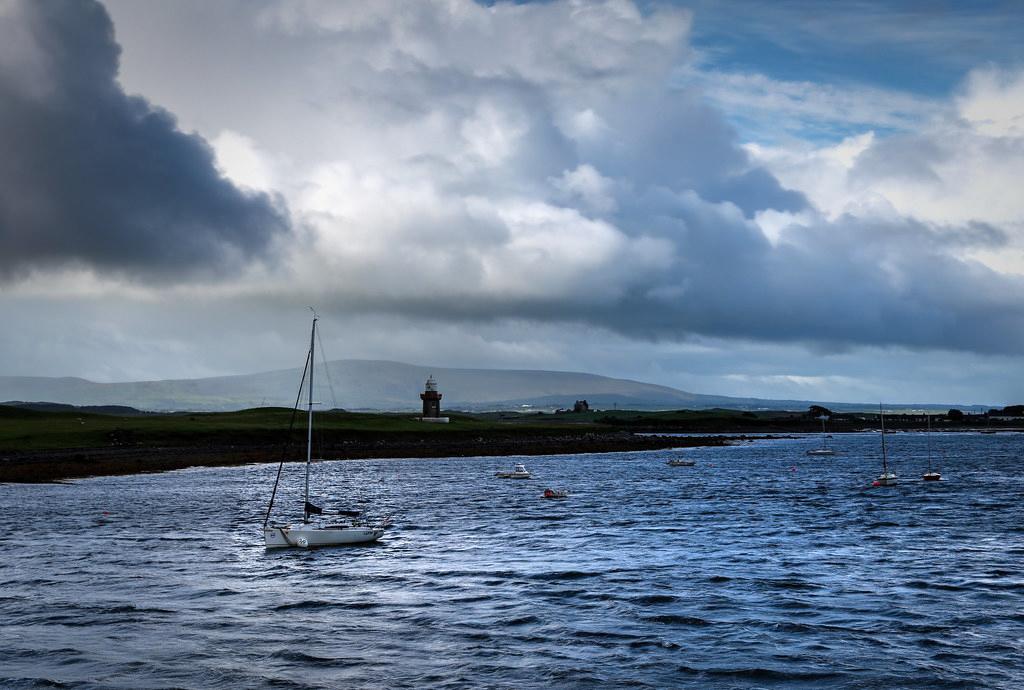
[824,450]
[309,534]
[887,478]
[931,475]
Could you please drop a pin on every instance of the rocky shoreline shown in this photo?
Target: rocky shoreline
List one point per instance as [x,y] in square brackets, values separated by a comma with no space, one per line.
[56,465]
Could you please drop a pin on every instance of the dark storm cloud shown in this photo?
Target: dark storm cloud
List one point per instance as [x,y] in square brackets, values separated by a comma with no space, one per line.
[852,282]
[89,175]
[855,282]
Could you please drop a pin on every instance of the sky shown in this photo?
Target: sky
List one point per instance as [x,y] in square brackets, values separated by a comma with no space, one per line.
[786,199]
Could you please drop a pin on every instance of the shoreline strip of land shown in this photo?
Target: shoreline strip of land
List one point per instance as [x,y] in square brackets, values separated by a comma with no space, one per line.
[53,445]
[72,463]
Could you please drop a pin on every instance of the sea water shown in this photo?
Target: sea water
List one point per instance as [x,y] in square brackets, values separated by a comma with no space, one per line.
[757,567]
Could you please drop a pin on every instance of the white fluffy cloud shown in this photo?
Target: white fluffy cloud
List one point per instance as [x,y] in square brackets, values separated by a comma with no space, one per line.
[964,166]
[993,102]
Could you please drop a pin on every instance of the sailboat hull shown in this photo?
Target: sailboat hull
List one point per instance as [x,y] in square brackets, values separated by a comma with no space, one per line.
[308,537]
[821,451]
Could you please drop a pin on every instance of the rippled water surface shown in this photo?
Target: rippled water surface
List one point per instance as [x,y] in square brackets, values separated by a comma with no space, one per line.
[758,567]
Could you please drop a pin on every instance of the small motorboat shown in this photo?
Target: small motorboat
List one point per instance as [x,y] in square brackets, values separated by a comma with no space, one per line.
[680,462]
[519,471]
[555,493]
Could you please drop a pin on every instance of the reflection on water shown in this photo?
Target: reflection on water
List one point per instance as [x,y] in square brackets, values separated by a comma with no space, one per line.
[757,567]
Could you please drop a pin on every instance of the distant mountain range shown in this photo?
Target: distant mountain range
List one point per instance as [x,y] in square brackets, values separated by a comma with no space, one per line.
[383,385]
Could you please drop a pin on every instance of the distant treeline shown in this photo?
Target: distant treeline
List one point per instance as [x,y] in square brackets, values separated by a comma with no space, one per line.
[736,421]
[952,414]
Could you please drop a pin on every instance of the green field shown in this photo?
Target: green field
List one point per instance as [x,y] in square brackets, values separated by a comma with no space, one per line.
[28,430]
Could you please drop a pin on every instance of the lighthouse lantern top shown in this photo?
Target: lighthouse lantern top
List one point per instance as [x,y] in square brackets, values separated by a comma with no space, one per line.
[431,384]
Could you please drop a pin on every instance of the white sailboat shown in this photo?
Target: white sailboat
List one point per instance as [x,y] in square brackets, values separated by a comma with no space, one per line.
[320,533]
[824,450]
[887,478]
[931,475]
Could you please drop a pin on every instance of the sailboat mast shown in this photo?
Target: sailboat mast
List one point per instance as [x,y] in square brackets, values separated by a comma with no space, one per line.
[881,416]
[309,425]
[928,417]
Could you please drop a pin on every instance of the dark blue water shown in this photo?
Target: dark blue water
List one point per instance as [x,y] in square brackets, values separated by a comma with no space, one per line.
[759,567]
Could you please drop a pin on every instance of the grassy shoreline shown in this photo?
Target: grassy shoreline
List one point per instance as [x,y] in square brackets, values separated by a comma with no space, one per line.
[41,446]
[55,465]
[51,446]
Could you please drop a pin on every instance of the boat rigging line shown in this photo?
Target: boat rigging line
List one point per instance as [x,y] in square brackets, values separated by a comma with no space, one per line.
[287,443]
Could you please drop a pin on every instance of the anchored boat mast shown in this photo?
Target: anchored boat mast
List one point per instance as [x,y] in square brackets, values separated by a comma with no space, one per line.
[309,424]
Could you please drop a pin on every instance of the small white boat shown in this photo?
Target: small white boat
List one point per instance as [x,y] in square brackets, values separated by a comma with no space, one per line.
[519,471]
[309,534]
[679,462]
[886,479]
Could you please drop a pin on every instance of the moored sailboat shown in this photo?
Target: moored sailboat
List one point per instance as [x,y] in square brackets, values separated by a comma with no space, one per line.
[824,450]
[309,533]
[931,475]
[887,478]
